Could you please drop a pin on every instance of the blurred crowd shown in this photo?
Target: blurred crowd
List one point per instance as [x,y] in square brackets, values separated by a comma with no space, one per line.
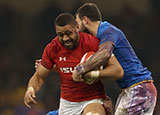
[23,37]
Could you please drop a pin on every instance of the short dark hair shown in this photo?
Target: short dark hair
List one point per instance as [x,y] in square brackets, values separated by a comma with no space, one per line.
[65,19]
[90,10]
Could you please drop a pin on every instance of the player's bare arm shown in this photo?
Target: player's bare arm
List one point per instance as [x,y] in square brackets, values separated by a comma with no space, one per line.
[113,70]
[101,57]
[34,85]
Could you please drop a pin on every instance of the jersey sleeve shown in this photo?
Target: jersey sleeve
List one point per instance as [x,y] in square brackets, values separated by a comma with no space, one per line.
[109,35]
[46,57]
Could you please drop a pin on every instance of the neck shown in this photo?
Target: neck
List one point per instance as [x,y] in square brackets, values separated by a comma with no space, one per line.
[93,27]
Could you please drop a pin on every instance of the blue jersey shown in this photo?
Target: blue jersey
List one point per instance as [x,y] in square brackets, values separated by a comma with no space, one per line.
[54,112]
[134,72]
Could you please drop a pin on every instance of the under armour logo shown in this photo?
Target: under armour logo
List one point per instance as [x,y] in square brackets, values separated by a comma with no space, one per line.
[62,58]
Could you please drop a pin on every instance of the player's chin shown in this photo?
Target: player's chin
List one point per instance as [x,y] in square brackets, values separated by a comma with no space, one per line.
[70,46]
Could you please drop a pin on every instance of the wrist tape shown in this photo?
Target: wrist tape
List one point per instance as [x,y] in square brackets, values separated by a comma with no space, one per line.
[30,89]
[94,74]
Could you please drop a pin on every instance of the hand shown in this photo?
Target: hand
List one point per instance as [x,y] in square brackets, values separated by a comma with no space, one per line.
[77,77]
[87,75]
[37,63]
[88,78]
[107,102]
[29,97]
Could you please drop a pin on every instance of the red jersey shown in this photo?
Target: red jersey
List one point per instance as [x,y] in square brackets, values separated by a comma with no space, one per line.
[66,60]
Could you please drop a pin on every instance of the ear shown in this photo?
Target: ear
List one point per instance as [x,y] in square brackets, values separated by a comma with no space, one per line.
[85,20]
[77,27]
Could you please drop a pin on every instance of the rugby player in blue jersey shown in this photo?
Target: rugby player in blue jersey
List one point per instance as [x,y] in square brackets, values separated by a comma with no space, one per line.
[139,94]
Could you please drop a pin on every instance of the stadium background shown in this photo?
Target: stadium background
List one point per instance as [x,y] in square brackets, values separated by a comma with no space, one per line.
[26,26]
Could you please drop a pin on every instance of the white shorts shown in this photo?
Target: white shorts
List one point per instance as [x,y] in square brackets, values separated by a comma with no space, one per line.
[75,108]
[137,100]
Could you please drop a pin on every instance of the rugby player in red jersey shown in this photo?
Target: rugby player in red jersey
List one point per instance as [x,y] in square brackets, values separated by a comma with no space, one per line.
[65,51]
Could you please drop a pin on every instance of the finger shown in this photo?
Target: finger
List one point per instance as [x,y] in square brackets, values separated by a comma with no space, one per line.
[32,100]
[75,79]
[79,80]
[27,104]
[35,66]
[33,95]
[82,80]
[38,61]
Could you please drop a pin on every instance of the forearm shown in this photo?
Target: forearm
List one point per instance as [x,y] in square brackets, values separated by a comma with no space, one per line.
[35,82]
[111,72]
[101,57]
[98,59]
[34,85]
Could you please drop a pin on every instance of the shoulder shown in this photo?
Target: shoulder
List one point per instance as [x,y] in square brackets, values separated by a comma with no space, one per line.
[89,42]
[106,29]
[55,41]
[53,45]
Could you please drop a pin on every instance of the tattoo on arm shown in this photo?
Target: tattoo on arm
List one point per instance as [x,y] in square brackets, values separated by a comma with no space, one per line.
[101,57]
